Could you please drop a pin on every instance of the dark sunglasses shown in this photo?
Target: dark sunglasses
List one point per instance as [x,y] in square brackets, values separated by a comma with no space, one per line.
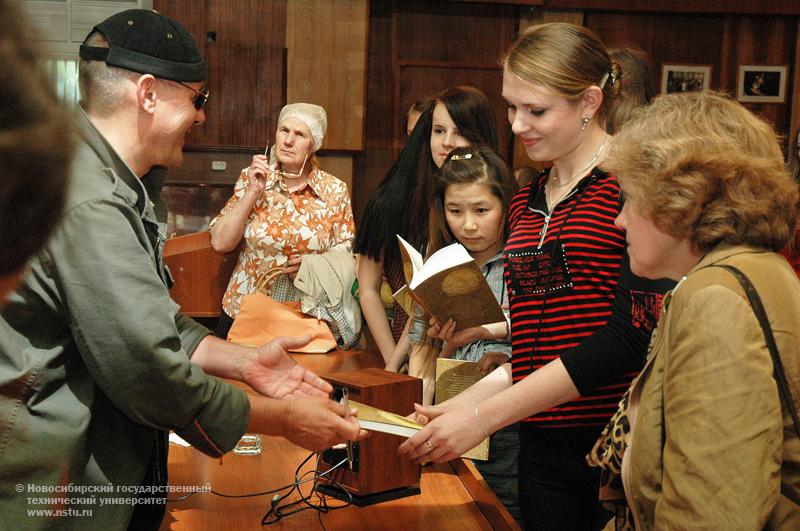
[200,98]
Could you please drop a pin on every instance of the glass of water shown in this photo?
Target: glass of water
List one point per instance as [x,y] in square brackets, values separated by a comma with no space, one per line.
[249,444]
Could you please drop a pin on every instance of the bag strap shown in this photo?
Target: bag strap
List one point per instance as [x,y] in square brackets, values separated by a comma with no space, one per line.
[761,315]
[267,276]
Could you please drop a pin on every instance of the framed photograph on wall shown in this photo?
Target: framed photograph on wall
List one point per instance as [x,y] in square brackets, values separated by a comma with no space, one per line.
[685,78]
[761,83]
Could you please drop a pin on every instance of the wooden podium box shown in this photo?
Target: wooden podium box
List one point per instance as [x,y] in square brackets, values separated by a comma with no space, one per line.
[378,474]
[200,273]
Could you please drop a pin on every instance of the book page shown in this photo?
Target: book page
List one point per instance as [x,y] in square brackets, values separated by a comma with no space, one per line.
[412,259]
[453,377]
[383,427]
[445,258]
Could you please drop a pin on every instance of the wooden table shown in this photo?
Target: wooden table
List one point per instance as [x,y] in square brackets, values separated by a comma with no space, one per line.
[453,495]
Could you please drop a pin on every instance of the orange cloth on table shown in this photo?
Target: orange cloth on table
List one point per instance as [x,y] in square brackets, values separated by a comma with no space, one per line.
[283,224]
[262,319]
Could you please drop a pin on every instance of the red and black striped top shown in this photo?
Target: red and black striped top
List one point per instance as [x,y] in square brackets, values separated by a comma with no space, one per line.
[562,271]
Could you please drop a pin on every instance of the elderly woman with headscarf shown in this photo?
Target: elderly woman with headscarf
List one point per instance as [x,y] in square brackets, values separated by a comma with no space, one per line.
[284,206]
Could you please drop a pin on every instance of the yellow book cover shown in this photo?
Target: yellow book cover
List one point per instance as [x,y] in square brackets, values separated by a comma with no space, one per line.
[452,377]
[450,285]
[374,419]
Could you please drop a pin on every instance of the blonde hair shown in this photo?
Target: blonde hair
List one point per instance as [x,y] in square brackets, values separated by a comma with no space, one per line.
[701,166]
[565,58]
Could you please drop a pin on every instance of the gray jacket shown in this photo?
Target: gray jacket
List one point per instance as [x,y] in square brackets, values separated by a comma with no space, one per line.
[94,362]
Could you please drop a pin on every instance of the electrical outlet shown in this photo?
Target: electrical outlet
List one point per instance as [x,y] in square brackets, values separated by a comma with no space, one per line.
[219,165]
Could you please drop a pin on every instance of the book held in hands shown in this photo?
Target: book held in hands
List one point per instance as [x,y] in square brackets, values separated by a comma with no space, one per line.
[450,285]
[375,419]
[453,377]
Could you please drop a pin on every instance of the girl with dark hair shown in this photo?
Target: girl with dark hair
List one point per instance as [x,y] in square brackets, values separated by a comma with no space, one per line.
[461,116]
[470,204]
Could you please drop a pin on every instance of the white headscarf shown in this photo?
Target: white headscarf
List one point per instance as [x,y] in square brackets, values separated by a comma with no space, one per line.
[312,115]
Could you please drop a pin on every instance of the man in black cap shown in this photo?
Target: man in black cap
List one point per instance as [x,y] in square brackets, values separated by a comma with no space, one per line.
[97,363]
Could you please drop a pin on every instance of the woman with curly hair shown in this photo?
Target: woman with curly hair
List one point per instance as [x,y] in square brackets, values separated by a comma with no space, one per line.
[701,438]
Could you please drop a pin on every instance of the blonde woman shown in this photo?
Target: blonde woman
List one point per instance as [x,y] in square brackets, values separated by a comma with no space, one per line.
[580,321]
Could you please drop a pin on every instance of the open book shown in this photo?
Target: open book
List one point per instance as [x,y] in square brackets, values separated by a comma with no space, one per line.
[374,419]
[450,285]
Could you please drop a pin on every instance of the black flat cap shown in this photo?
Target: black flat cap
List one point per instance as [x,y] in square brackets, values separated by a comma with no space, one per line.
[150,43]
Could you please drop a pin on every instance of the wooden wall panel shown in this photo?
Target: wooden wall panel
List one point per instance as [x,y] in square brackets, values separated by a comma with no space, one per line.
[761,41]
[753,7]
[722,42]
[243,44]
[416,49]
[339,165]
[418,79]
[197,167]
[327,59]
[673,39]
[534,15]
[380,123]
[451,31]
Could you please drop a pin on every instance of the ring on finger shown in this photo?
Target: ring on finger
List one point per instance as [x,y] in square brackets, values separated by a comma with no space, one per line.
[428,445]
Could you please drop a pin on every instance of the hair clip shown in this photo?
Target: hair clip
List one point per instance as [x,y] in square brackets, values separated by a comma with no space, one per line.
[608,76]
[603,81]
[465,156]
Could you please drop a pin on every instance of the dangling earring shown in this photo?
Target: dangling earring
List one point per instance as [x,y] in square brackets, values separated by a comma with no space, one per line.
[585,122]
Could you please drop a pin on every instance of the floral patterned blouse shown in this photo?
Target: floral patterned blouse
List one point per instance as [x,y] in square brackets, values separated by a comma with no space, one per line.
[283,224]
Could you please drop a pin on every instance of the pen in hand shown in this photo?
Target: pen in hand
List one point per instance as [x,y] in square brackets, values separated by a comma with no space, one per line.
[346,401]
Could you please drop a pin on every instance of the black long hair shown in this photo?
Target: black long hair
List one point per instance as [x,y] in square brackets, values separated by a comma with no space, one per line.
[401,203]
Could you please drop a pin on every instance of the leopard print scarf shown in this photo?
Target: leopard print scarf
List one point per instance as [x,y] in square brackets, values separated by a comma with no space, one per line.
[607,452]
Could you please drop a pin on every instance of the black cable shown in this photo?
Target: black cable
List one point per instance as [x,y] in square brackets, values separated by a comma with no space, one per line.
[249,495]
[295,485]
[276,512]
